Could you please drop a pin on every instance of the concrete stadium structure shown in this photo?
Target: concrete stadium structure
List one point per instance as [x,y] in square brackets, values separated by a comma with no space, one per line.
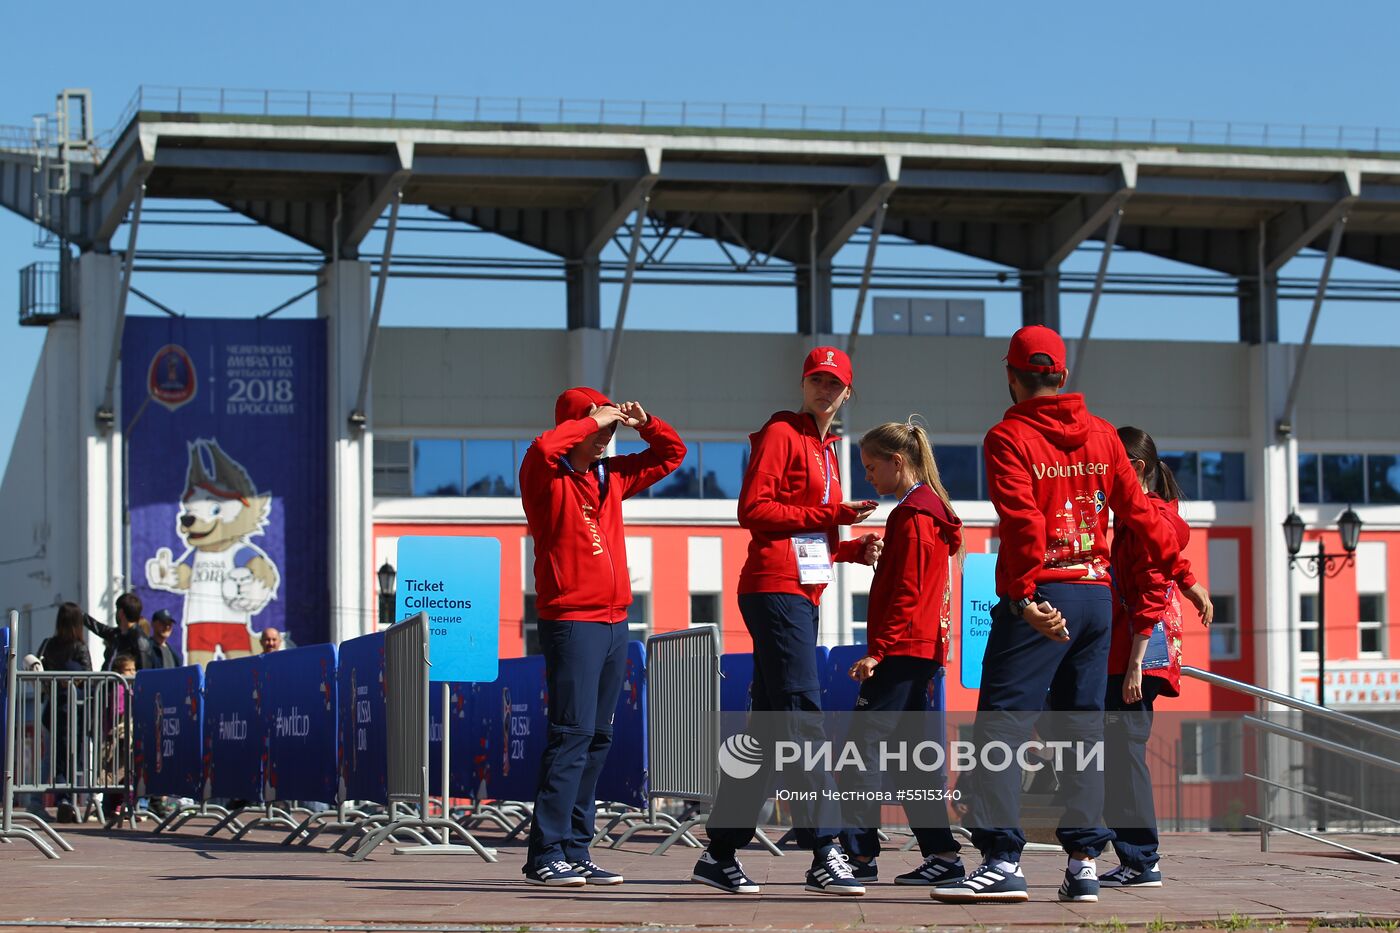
[568,185]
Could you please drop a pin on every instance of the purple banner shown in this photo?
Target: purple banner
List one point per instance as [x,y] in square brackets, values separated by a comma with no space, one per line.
[225,425]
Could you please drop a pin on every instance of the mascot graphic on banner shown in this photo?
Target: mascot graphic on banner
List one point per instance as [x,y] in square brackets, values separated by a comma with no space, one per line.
[228,579]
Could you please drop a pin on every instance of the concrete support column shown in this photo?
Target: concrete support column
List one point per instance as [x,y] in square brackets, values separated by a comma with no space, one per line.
[101,541]
[1259,311]
[818,306]
[588,358]
[1040,297]
[344,300]
[582,283]
[1274,490]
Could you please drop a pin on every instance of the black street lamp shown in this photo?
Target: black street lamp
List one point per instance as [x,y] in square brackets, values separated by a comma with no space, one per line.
[1321,566]
[387,576]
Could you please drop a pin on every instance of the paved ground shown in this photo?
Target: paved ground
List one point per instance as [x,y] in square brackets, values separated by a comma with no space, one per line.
[137,876]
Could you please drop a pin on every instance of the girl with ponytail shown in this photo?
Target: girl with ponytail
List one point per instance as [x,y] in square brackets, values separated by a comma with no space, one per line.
[1144,662]
[907,633]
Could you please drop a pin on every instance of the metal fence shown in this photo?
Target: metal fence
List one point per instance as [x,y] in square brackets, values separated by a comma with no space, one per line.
[683,714]
[703,115]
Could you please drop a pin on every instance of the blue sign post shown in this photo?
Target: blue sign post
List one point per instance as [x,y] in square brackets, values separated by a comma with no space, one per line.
[457,581]
[979,595]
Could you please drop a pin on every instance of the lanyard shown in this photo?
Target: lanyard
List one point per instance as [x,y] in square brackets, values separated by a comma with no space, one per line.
[907,494]
[827,468]
[597,468]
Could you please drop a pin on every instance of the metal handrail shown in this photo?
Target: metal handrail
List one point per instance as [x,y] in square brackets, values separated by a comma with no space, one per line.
[1316,838]
[1338,748]
[1321,799]
[1283,699]
[755,115]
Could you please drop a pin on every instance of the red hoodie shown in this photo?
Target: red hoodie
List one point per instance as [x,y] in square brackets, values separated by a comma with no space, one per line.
[792,486]
[1053,472]
[576,518]
[1147,595]
[911,597]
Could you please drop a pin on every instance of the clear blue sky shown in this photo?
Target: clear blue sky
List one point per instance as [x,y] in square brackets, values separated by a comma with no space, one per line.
[1284,62]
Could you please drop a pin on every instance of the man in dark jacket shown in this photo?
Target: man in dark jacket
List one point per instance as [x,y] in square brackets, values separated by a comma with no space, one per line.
[127,636]
[162,624]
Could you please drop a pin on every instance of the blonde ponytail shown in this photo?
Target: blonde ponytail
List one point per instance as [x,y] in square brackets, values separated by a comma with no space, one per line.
[910,440]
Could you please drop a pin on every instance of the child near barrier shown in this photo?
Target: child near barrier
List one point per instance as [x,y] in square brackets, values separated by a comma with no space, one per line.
[1053,471]
[907,629]
[572,494]
[1144,662]
[790,502]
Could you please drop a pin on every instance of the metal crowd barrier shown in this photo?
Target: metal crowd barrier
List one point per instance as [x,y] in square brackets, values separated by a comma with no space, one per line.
[683,729]
[9,742]
[81,741]
[406,664]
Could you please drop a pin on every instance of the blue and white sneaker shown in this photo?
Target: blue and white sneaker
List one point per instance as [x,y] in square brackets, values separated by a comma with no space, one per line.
[1080,886]
[831,873]
[555,874]
[1125,877]
[987,883]
[726,875]
[864,872]
[593,873]
[934,871]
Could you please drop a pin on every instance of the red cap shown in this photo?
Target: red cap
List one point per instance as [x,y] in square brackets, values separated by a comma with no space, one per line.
[573,404]
[1033,339]
[828,360]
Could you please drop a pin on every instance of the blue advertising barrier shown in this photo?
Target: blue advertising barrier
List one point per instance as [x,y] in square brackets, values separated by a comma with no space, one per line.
[167,727]
[299,700]
[459,716]
[509,729]
[362,749]
[839,691]
[736,676]
[624,777]
[235,729]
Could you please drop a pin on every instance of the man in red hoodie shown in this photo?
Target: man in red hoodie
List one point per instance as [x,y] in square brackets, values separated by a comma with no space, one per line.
[1053,472]
[572,494]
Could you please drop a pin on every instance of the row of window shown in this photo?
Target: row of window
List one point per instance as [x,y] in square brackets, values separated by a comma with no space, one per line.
[715,470]
[1370,625]
[1350,478]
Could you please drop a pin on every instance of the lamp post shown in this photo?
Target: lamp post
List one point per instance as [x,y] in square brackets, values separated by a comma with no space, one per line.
[1321,566]
[387,577]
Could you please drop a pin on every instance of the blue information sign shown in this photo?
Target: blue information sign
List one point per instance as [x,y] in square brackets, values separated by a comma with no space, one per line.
[457,581]
[979,595]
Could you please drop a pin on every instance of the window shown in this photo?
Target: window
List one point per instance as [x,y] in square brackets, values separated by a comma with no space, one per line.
[860,608]
[710,470]
[1211,750]
[1371,624]
[959,466]
[491,468]
[1382,478]
[1351,478]
[639,617]
[1183,467]
[1307,623]
[704,610]
[437,467]
[1225,630]
[391,468]
[1342,478]
[531,621]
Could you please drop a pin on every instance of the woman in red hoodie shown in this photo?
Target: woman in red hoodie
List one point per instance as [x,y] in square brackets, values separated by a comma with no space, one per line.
[791,504]
[1144,662]
[911,605]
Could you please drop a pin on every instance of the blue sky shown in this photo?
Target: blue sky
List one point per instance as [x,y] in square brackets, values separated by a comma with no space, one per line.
[1281,62]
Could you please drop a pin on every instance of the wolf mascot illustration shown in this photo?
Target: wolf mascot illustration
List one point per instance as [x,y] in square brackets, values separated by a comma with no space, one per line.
[229,579]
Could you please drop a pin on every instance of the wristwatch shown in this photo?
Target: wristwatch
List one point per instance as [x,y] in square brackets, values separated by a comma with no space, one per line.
[1019,606]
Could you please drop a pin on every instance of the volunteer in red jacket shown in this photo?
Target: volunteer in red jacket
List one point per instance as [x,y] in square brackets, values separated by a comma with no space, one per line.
[573,495]
[911,607]
[1144,662]
[1053,472]
[791,504]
